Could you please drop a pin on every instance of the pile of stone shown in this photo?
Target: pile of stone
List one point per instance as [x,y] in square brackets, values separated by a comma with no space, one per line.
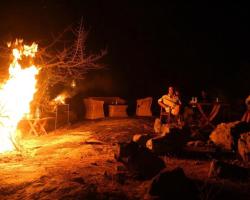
[234,136]
[140,157]
[140,161]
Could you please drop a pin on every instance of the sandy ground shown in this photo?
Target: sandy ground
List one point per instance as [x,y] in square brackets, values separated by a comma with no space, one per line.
[77,162]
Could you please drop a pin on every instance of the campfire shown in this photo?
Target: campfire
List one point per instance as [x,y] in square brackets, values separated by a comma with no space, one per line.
[17,93]
[60,99]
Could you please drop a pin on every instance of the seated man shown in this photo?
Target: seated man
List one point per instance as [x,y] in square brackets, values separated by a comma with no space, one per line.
[171,105]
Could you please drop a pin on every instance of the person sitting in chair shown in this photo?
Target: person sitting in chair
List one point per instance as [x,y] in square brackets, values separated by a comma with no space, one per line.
[170,103]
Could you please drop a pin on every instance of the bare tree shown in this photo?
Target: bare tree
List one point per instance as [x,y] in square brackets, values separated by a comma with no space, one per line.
[61,61]
[64,60]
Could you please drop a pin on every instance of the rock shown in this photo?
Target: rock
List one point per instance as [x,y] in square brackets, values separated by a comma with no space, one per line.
[139,160]
[141,139]
[221,136]
[172,185]
[157,125]
[244,146]
[124,150]
[160,145]
[172,142]
[165,129]
[226,135]
[227,171]
[237,131]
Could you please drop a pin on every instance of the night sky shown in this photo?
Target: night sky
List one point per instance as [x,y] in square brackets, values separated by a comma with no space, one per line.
[151,45]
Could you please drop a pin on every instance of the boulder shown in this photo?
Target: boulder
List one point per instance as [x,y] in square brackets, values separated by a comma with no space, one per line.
[226,135]
[165,129]
[220,169]
[244,146]
[172,142]
[141,162]
[157,125]
[141,139]
[172,185]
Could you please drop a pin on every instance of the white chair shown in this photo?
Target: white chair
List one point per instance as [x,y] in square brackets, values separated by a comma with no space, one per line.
[93,109]
[143,107]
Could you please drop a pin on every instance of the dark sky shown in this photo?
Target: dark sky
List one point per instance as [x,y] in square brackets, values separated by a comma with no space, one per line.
[151,44]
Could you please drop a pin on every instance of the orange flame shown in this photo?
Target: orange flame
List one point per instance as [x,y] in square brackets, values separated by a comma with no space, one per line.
[60,99]
[16,94]
[73,84]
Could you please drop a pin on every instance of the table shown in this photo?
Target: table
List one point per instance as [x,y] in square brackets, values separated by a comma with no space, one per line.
[118,110]
[37,125]
[61,110]
[93,108]
[207,118]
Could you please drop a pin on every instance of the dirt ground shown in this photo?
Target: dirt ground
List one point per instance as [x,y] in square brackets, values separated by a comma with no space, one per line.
[77,162]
